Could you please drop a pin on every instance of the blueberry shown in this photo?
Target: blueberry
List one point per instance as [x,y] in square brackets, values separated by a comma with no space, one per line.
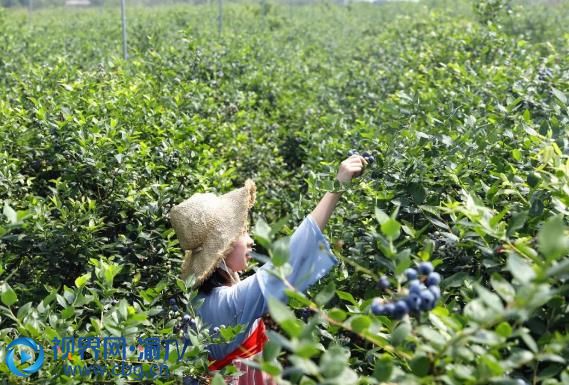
[383,283]
[389,308]
[413,301]
[377,307]
[352,152]
[433,279]
[215,330]
[425,268]
[414,286]
[305,313]
[187,318]
[436,292]
[172,301]
[189,380]
[400,310]
[368,157]
[427,300]
[411,274]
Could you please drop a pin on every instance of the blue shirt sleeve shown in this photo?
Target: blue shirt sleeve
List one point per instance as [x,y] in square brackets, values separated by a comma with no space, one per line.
[310,257]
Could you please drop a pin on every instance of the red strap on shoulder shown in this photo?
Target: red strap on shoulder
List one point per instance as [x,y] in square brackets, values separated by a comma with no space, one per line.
[251,346]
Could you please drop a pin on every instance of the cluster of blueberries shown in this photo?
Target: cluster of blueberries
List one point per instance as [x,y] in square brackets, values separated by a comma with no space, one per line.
[186,320]
[424,292]
[366,155]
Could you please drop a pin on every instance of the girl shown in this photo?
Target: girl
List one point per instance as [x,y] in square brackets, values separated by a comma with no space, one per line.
[213,231]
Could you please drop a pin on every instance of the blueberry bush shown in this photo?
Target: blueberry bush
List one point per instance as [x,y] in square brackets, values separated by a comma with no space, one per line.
[453,244]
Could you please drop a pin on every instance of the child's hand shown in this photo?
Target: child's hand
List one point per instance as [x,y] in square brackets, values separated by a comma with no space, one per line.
[350,168]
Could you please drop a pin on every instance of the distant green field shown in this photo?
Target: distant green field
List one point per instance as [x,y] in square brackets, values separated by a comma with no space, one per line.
[463,104]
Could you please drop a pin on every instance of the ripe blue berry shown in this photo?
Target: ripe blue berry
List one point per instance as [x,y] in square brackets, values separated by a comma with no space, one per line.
[352,152]
[189,380]
[383,282]
[377,307]
[411,274]
[425,268]
[400,310]
[368,157]
[427,300]
[414,286]
[389,308]
[433,279]
[413,301]
[436,292]
[187,318]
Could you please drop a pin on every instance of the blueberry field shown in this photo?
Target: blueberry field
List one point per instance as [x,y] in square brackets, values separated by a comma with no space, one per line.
[453,245]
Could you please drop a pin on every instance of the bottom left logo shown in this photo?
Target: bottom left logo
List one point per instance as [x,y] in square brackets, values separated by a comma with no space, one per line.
[25,347]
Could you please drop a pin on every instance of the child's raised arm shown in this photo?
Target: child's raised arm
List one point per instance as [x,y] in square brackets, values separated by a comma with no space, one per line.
[349,168]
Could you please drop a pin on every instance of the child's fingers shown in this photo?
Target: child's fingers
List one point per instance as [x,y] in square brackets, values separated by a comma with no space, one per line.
[357,159]
[355,170]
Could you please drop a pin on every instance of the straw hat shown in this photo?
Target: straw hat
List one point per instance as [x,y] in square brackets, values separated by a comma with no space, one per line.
[206,226]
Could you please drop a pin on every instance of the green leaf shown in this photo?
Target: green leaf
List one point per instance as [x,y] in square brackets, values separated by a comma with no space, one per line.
[326,294]
[400,333]
[7,294]
[218,380]
[271,350]
[560,268]
[24,311]
[502,287]
[381,216]
[82,280]
[298,297]
[417,191]
[181,285]
[337,314]
[490,299]
[420,365]
[68,312]
[517,154]
[559,95]
[346,296]
[123,309]
[383,368]
[280,251]
[333,361]
[504,329]
[308,349]
[520,269]
[391,228]
[552,239]
[285,317]
[492,364]
[274,369]
[517,222]
[360,323]
[10,213]
[262,233]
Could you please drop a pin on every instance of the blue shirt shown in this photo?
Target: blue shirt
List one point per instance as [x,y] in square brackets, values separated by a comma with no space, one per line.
[243,303]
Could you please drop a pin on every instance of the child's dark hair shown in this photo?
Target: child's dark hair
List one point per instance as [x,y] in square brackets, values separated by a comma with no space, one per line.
[219,278]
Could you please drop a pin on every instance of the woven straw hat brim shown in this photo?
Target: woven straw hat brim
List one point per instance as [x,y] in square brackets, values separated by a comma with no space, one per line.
[229,220]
